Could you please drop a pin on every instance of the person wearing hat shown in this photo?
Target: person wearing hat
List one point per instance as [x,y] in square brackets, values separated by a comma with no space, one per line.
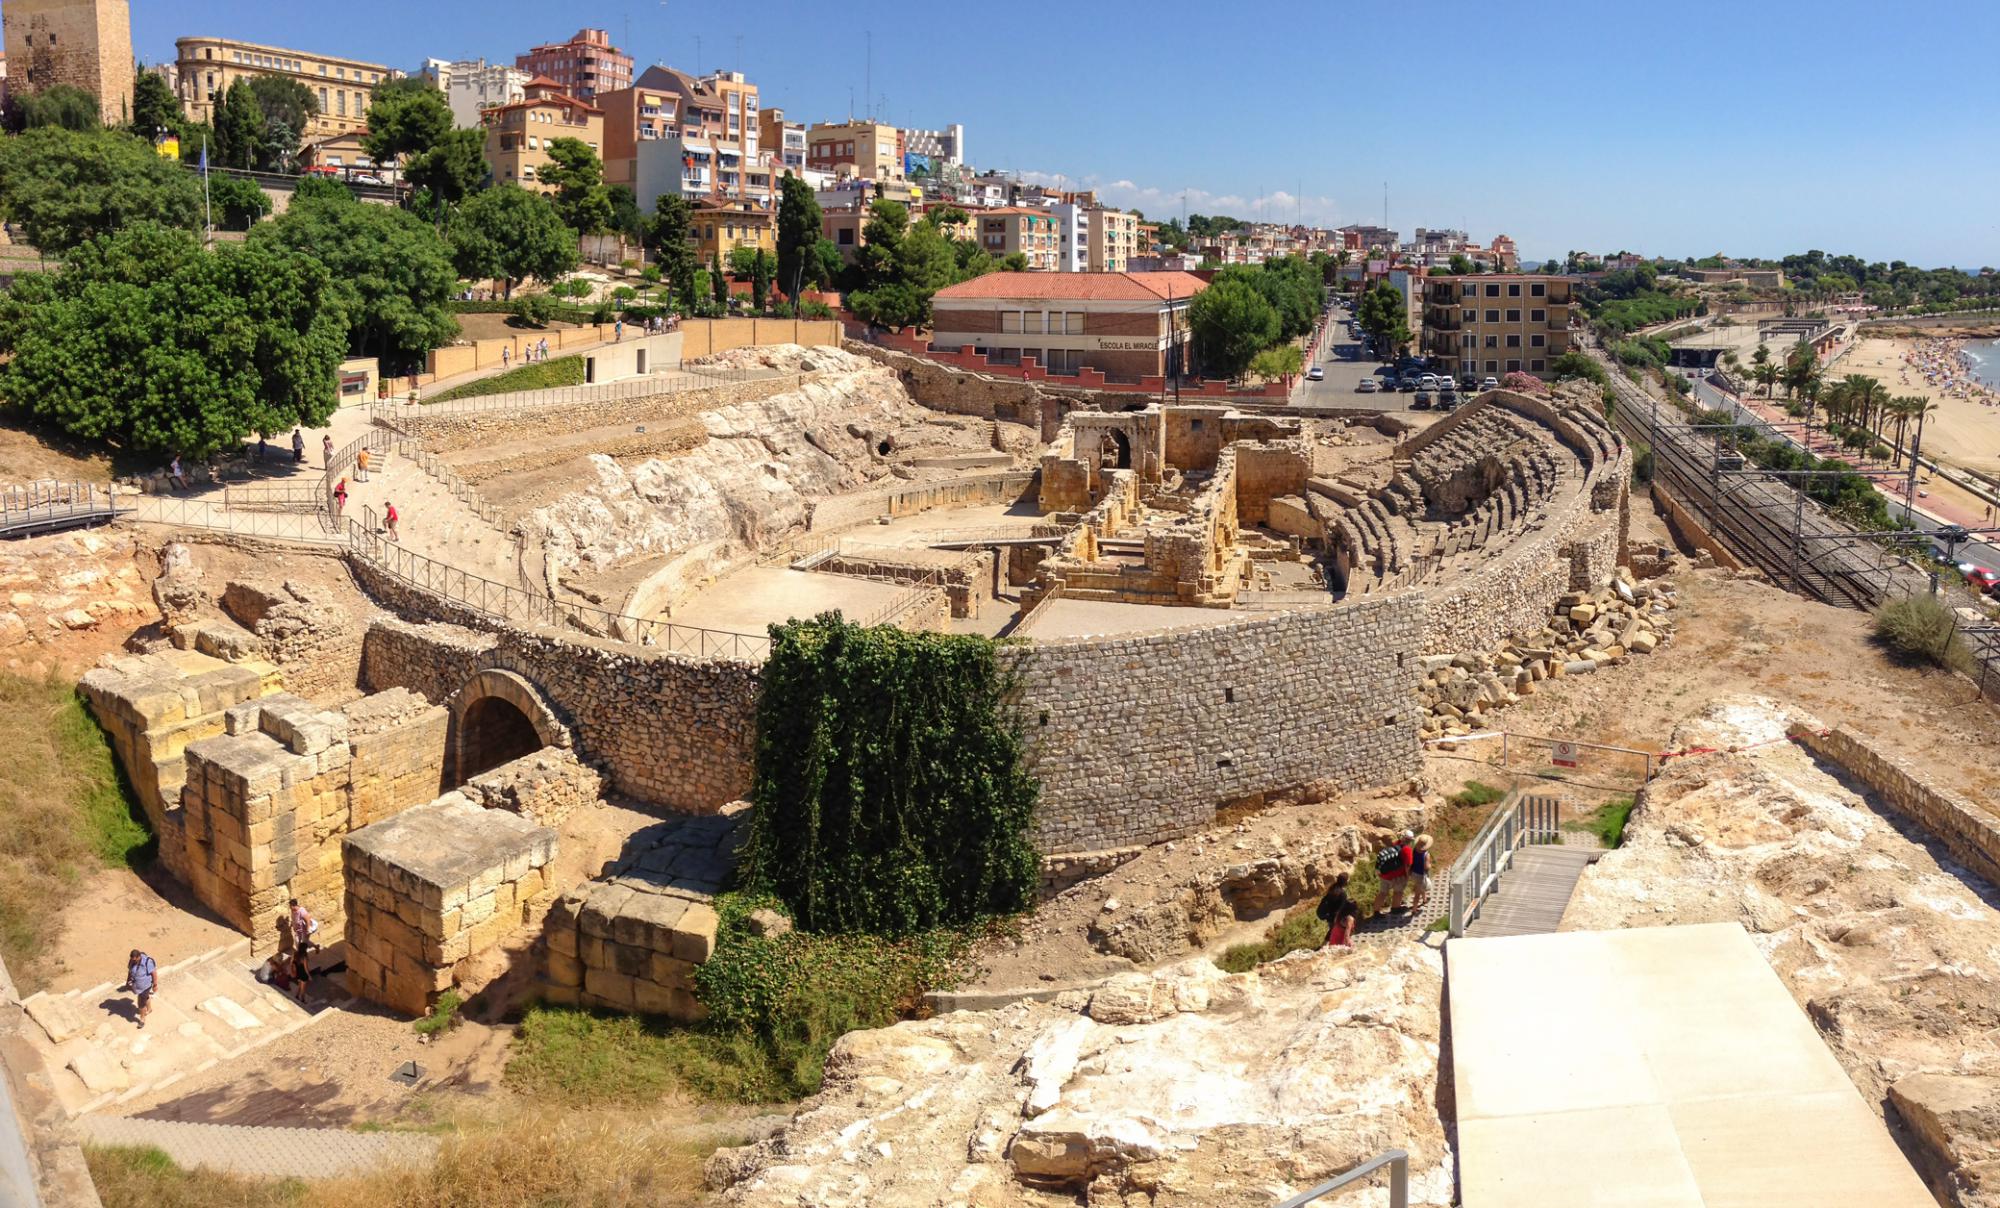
[1420,873]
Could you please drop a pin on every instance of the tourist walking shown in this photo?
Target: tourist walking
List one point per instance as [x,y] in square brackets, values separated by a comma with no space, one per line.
[176,478]
[506,355]
[1392,868]
[304,927]
[542,349]
[1420,873]
[1339,913]
[340,498]
[326,449]
[298,446]
[389,519]
[142,978]
[361,466]
[618,330]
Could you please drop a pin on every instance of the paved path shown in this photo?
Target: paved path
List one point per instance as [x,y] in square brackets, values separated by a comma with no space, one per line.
[1534,891]
[209,1009]
[303,1153]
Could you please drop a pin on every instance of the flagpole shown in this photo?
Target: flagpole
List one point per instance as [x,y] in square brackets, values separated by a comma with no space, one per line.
[207,218]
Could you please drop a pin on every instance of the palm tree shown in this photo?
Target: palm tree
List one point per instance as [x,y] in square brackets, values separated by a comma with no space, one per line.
[1864,395]
[1919,408]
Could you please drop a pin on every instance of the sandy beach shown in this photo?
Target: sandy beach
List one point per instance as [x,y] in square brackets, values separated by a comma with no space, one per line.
[1963,430]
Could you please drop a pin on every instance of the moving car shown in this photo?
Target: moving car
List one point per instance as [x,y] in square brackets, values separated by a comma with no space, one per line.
[1367,386]
[1315,374]
[1983,580]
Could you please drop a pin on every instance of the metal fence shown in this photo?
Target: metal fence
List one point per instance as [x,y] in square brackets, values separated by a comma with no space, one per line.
[1522,821]
[675,381]
[274,497]
[1591,764]
[1398,1162]
[182,512]
[50,502]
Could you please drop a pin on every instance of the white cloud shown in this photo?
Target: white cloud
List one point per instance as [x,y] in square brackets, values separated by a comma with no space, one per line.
[1280,206]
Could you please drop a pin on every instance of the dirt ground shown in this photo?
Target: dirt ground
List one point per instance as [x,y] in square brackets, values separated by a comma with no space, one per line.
[27,455]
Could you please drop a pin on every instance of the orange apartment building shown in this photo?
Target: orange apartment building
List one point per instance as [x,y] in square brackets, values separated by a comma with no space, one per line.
[700,138]
[585,67]
[1489,324]
[518,135]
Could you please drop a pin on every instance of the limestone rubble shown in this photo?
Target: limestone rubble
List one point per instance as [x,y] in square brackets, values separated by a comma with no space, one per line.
[1893,952]
[1182,1088]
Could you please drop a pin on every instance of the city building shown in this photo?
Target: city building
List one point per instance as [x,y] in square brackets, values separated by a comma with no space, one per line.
[1005,230]
[518,134]
[1072,234]
[473,85]
[1125,325]
[86,44]
[720,227]
[585,67]
[1114,240]
[1360,237]
[1491,324]
[208,66]
[783,141]
[946,146]
[870,150]
[699,137]
[1756,278]
[1164,262]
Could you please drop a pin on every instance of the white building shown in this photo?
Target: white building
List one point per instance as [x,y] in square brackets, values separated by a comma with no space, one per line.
[470,85]
[946,146]
[1072,236]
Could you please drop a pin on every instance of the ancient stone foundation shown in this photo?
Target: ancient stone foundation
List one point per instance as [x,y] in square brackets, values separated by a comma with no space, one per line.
[434,888]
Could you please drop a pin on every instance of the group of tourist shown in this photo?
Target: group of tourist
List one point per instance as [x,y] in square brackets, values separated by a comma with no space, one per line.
[1402,866]
[289,971]
[1942,363]
[532,352]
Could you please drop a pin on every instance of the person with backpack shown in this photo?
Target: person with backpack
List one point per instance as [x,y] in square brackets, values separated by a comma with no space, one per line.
[142,978]
[1339,913]
[1420,873]
[1392,868]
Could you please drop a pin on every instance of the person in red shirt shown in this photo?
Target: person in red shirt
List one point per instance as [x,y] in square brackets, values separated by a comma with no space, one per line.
[1339,913]
[1392,868]
[389,519]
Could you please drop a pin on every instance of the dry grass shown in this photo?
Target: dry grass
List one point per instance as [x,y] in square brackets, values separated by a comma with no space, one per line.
[64,811]
[548,1160]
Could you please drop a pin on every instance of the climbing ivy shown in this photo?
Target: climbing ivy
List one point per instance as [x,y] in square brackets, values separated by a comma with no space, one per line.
[890,791]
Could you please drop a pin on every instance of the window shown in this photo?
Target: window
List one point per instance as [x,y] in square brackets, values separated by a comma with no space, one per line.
[1537,366]
[1492,316]
[527,171]
[1470,316]
[845,237]
[1492,289]
[1493,341]
[1513,316]
[340,103]
[1073,323]
[1538,289]
[1492,365]
[1536,340]
[208,53]
[1513,289]
[1010,321]
[1538,316]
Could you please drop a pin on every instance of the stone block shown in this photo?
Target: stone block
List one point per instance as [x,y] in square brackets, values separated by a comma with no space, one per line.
[694,935]
[670,972]
[611,988]
[560,938]
[564,969]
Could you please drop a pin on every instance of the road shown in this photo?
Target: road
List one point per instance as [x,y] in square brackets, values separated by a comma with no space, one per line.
[1345,367]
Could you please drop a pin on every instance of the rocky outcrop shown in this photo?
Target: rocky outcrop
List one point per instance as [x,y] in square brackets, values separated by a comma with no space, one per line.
[1894,956]
[1189,1088]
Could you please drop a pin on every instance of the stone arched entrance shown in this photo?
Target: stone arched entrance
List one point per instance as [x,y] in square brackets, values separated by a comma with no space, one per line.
[497,717]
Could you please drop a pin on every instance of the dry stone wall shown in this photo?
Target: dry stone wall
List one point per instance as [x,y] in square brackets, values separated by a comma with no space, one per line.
[1971,833]
[545,787]
[446,430]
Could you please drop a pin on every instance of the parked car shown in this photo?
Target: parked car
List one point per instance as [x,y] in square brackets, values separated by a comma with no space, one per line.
[1407,385]
[1315,374]
[366,179]
[1447,400]
[1491,383]
[1447,382]
[1429,381]
[1422,402]
[1368,386]
[1984,580]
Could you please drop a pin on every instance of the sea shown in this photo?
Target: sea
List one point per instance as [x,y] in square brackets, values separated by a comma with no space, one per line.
[1985,358]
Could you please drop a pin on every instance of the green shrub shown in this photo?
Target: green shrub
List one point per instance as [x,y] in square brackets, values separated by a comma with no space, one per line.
[1922,629]
[443,1014]
[1642,462]
[890,791]
[1607,822]
[536,310]
[556,371]
[1363,884]
[1475,793]
[1301,930]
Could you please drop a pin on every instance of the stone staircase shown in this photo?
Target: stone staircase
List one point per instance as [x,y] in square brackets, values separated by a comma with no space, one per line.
[434,522]
[209,1009]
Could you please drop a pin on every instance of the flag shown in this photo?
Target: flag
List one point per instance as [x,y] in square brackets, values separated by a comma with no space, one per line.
[204,157]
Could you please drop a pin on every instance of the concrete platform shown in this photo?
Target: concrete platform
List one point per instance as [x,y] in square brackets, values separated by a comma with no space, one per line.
[1659,1066]
[751,598]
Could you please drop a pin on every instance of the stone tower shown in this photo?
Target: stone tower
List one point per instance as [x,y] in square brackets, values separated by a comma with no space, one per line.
[85,43]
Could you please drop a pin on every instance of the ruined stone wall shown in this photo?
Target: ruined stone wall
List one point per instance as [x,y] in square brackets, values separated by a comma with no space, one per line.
[907,499]
[967,579]
[665,729]
[306,630]
[1969,832]
[955,392]
[441,430]
[1139,739]
[1266,470]
[544,787]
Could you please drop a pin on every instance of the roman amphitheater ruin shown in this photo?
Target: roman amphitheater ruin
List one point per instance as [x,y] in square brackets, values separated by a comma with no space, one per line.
[503,753]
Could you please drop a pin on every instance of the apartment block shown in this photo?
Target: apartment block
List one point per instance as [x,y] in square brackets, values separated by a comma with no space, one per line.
[208,66]
[518,134]
[584,67]
[473,85]
[784,142]
[719,228]
[86,44]
[697,137]
[946,146]
[1114,240]
[1126,325]
[870,150]
[1008,229]
[1073,223]
[1492,324]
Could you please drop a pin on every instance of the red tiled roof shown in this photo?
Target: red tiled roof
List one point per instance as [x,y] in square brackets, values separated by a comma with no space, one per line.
[1077,287]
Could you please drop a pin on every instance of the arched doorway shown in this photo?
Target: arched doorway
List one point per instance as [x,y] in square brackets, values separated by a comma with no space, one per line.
[493,731]
[1116,454]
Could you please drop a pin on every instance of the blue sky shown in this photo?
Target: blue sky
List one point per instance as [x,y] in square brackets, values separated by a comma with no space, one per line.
[1753,127]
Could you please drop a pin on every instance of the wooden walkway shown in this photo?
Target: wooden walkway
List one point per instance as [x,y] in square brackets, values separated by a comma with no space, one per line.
[1534,891]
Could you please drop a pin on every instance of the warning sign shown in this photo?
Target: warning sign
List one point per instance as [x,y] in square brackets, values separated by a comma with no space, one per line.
[1565,755]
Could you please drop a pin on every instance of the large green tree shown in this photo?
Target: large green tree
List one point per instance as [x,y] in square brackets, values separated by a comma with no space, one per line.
[799,226]
[510,234]
[1230,323]
[288,108]
[668,242]
[406,117]
[62,105]
[239,127]
[393,275]
[62,187]
[453,169]
[1384,315]
[147,341]
[237,203]
[578,176]
[154,106]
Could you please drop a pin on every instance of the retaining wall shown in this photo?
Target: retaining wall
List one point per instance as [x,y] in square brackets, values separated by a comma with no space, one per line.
[444,431]
[1969,832]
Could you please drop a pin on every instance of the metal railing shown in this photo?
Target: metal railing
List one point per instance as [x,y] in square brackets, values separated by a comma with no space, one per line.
[1398,1162]
[1522,821]
[274,497]
[49,501]
[673,381]
[1030,618]
[202,514]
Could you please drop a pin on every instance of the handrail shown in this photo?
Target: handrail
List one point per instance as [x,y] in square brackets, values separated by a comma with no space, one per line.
[690,378]
[1522,820]
[48,501]
[1398,1162]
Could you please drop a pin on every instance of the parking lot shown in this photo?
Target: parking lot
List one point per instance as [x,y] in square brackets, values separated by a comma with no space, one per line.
[1344,367]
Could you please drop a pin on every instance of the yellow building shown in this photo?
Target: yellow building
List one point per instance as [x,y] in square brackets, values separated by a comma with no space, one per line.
[1008,229]
[518,135]
[1494,323]
[1114,240]
[208,66]
[869,150]
[718,229]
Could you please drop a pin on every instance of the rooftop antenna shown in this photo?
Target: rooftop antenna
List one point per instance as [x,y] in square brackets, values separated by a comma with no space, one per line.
[1385,205]
[697,54]
[869,93]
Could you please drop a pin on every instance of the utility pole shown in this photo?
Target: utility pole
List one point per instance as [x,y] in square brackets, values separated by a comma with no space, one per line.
[869,94]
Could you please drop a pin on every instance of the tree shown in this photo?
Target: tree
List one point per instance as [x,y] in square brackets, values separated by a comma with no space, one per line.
[1013,262]
[578,176]
[393,276]
[1765,374]
[1800,366]
[1280,362]
[799,225]
[762,271]
[625,216]
[881,235]
[61,187]
[1461,264]
[154,106]
[239,127]
[61,105]
[510,234]
[718,282]
[830,263]
[742,262]
[452,169]
[1384,315]
[1231,322]
[406,117]
[667,241]
[288,108]
[147,341]
[237,203]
